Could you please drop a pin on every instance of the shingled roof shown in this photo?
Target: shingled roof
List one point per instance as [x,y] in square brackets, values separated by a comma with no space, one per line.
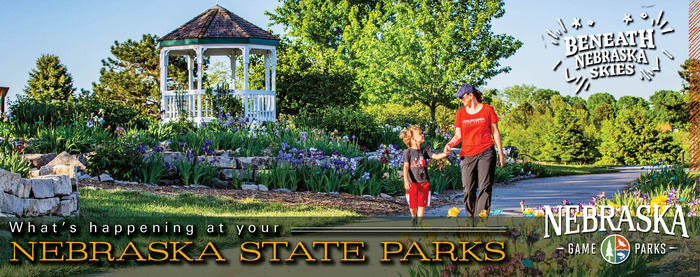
[218,25]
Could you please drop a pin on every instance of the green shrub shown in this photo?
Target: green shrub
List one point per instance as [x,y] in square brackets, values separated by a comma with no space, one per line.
[73,139]
[28,110]
[121,161]
[13,161]
[223,102]
[348,120]
[197,172]
[307,88]
[399,115]
[153,169]
[31,111]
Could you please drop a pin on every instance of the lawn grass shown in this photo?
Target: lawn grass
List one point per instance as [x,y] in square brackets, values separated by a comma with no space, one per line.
[563,170]
[111,207]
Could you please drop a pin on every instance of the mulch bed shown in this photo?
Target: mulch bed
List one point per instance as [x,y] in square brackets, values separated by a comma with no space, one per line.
[368,206]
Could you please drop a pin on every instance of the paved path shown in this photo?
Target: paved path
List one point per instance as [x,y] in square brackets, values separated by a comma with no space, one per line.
[551,191]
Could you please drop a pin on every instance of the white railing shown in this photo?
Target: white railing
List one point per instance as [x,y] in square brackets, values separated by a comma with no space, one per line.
[197,105]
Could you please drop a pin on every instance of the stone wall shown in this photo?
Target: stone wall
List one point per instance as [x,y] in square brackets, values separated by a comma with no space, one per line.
[50,193]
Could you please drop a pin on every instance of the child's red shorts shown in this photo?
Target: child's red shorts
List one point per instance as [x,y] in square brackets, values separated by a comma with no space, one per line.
[418,195]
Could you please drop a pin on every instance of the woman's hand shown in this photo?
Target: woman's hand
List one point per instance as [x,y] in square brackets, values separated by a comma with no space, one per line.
[406,186]
[447,149]
[501,160]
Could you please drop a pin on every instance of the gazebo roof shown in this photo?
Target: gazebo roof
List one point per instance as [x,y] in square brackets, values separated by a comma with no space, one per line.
[218,25]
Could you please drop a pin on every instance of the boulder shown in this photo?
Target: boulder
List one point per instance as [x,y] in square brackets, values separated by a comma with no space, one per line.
[221,161]
[240,174]
[37,160]
[262,188]
[9,181]
[283,190]
[25,188]
[249,187]
[358,160]
[254,163]
[68,204]
[38,207]
[64,208]
[84,158]
[384,195]
[42,187]
[171,172]
[219,184]
[104,177]
[67,159]
[172,157]
[60,185]
[12,204]
[71,171]
[34,172]
[165,182]
[20,188]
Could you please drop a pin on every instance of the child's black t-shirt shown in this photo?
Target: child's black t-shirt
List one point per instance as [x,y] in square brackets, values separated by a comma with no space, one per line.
[417,168]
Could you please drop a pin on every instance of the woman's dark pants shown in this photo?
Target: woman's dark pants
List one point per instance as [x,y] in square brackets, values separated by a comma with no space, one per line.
[478,170]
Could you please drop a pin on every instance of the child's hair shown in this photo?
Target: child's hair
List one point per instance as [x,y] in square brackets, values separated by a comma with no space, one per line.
[407,135]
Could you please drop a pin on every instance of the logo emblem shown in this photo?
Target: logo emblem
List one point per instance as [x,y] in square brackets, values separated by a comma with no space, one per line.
[615,249]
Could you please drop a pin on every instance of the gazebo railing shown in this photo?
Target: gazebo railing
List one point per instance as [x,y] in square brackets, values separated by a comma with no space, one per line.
[197,105]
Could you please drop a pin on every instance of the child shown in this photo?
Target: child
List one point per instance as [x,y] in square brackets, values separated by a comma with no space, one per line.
[415,171]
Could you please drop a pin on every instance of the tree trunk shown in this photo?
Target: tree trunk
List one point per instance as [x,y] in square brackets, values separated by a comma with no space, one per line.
[432,112]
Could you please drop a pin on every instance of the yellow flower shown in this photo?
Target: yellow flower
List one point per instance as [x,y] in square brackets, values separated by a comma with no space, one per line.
[659,201]
[522,206]
[539,213]
[528,211]
[453,212]
[483,213]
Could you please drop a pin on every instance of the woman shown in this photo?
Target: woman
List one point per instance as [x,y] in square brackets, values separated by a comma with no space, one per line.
[474,126]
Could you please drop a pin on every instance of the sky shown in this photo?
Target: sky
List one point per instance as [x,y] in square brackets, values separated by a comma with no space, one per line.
[80,33]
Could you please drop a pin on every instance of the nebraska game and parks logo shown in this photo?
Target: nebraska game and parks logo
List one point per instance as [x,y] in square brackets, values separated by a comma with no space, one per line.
[615,249]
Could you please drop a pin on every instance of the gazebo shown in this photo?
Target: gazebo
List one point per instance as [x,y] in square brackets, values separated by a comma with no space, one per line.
[217,32]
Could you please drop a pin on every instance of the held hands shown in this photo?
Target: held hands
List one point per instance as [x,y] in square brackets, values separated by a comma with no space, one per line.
[447,149]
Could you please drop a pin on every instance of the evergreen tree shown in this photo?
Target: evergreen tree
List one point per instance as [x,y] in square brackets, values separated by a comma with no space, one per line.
[132,77]
[565,140]
[670,107]
[50,80]
[634,139]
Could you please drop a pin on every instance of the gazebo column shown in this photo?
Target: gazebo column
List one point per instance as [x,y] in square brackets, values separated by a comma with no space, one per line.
[267,71]
[273,70]
[190,72]
[273,86]
[246,59]
[233,58]
[164,81]
[198,95]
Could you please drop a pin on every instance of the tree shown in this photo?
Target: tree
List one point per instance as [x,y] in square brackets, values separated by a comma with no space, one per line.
[517,94]
[600,98]
[543,95]
[690,75]
[632,139]
[631,102]
[669,107]
[132,77]
[565,139]
[318,53]
[422,50]
[50,80]
[305,85]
